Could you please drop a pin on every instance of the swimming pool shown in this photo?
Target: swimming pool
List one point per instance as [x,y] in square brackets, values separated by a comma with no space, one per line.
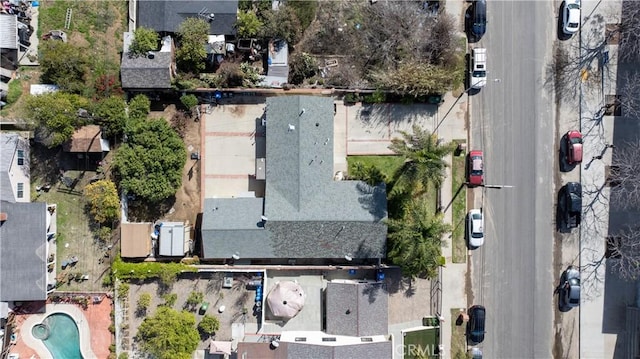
[59,333]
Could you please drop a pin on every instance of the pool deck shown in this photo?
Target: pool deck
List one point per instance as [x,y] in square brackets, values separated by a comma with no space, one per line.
[93,326]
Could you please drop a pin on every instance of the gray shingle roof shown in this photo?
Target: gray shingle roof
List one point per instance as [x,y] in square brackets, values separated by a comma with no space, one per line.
[145,73]
[230,226]
[9,144]
[358,309]
[23,252]
[299,180]
[167,15]
[309,214]
[375,350]
[356,351]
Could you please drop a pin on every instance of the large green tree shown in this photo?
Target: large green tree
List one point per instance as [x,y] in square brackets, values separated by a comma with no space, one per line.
[149,165]
[424,160]
[191,53]
[111,113]
[169,334]
[144,40]
[139,107]
[64,64]
[415,241]
[248,24]
[103,201]
[56,116]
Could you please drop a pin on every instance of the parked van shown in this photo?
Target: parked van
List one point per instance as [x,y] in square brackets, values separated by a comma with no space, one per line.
[479,18]
[478,68]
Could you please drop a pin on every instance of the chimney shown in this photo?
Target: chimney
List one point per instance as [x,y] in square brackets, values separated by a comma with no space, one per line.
[3,216]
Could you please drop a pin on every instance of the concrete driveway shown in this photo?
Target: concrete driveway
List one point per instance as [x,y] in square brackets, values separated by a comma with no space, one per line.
[233,137]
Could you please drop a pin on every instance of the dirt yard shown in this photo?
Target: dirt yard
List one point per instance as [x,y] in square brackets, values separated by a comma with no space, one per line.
[234,299]
[74,232]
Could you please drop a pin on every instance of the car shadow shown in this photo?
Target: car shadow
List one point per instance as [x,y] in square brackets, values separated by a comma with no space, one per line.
[561,224]
[466,233]
[467,76]
[561,35]
[560,292]
[562,156]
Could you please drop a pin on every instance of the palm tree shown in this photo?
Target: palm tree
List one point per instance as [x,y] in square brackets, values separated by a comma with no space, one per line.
[424,160]
[415,241]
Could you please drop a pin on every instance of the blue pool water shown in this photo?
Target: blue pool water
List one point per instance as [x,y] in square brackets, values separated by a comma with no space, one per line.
[63,340]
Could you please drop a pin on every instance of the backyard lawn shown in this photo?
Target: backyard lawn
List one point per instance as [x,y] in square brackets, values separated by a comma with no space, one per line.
[74,237]
[459,195]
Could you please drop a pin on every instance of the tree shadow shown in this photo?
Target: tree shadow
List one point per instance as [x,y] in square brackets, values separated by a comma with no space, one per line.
[143,211]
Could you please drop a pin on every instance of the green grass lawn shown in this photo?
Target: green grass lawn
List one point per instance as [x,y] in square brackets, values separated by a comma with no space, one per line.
[386,164]
[459,248]
[458,338]
[421,343]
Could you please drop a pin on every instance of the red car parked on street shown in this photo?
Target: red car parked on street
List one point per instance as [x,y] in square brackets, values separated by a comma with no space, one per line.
[476,168]
[574,147]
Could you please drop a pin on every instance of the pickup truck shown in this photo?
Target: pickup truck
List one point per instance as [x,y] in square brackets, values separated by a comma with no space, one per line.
[571,204]
[478,68]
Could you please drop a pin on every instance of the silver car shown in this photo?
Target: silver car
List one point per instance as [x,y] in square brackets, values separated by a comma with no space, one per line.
[570,290]
[475,229]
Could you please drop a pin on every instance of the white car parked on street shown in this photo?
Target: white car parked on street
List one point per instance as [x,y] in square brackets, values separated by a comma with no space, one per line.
[475,229]
[571,17]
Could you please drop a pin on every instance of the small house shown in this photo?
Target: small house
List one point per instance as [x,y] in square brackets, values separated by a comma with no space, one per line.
[87,146]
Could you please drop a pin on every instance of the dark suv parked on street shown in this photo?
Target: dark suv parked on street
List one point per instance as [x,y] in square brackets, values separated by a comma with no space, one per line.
[475,326]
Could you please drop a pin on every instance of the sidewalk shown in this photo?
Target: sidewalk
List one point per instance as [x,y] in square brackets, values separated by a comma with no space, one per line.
[453,126]
[605,297]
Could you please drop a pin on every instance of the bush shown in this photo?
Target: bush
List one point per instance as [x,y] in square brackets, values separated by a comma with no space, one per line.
[302,66]
[190,261]
[231,74]
[123,290]
[170,299]
[143,302]
[376,97]
[208,325]
[15,91]
[194,299]
[123,355]
[107,280]
[112,328]
[148,270]
[189,101]
[351,98]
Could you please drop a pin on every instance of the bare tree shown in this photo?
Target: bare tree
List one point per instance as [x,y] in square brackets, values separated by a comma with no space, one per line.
[628,88]
[625,175]
[629,31]
[381,37]
[623,251]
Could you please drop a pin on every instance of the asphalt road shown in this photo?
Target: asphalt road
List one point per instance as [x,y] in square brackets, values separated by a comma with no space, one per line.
[513,123]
